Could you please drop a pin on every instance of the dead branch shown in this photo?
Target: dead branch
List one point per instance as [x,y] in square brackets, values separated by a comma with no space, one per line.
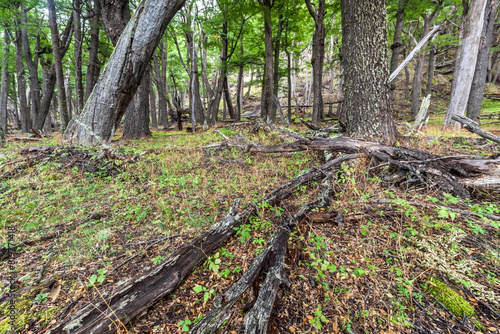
[474,128]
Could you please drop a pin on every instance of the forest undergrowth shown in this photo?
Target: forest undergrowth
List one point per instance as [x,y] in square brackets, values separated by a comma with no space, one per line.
[397,259]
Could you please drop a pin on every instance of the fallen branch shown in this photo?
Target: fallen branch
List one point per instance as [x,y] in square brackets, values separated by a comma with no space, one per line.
[258,317]
[474,128]
[141,292]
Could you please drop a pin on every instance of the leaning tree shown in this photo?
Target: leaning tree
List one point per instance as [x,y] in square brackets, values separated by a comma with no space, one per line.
[364,52]
[123,73]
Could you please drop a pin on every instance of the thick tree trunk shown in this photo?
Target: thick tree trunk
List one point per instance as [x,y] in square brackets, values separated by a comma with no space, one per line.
[366,96]
[477,88]
[318,56]
[397,44]
[4,88]
[56,50]
[123,73]
[92,68]
[137,116]
[267,111]
[21,84]
[78,56]
[466,68]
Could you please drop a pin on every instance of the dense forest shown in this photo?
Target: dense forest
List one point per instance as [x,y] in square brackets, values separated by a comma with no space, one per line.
[256,166]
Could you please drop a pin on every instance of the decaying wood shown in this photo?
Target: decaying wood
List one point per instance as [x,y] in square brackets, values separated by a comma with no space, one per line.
[258,317]
[474,127]
[141,292]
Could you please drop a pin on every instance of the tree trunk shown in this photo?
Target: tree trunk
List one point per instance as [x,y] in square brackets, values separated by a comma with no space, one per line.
[160,65]
[407,83]
[430,70]
[21,84]
[69,94]
[249,84]
[92,68]
[276,62]
[77,4]
[137,116]
[466,68]
[397,44]
[31,65]
[4,90]
[268,113]
[152,105]
[123,73]
[477,88]
[419,69]
[239,86]
[318,56]
[366,96]
[56,50]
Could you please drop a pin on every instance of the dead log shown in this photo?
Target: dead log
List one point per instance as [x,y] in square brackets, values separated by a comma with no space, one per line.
[141,292]
[257,318]
[474,128]
[451,174]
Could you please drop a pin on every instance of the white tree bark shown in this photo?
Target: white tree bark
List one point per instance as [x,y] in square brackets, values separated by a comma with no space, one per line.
[467,65]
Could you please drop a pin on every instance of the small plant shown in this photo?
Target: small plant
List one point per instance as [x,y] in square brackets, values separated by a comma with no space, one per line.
[318,319]
[40,298]
[99,278]
[157,259]
[206,296]
[184,325]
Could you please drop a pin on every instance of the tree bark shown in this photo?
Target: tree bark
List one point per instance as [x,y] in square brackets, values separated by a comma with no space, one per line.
[268,113]
[137,117]
[56,50]
[123,73]
[317,60]
[92,68]
[466,68]
[239,86]
[366,96]
[152,105]
[477,88]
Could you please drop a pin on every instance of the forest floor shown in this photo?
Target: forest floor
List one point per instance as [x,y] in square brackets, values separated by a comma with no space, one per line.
[85,221]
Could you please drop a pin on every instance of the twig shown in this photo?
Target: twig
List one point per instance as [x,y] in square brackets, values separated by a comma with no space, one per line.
[40,274]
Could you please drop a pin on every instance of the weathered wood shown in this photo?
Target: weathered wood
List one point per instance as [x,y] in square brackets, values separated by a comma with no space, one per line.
[472,126]
[273,255]
[419,119]
[145,290]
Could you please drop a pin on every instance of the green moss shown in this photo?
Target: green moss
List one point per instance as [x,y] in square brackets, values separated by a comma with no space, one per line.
[454,302]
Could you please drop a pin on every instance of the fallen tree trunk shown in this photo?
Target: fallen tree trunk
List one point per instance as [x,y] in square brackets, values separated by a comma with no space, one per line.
[257,319]
[451,174]
[474,128]
[141,292]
